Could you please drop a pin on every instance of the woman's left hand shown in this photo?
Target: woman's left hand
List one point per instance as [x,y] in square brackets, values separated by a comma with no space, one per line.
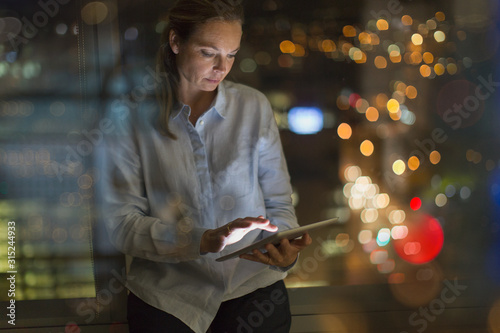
[282,255]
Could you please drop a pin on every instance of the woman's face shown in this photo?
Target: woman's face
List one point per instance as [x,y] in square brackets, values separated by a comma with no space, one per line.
[205,59]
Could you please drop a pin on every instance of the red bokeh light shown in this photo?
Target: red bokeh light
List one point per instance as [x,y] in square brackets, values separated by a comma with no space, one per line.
[353,99]
[72,328]
[415,203]
[424,240]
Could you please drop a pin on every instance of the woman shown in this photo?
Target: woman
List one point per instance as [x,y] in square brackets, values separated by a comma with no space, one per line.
[181,180]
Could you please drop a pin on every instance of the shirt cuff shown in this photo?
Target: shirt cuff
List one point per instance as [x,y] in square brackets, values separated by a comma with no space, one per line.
[196,235]
[287,268]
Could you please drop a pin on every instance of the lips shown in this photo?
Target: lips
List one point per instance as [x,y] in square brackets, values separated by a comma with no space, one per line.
[213,80]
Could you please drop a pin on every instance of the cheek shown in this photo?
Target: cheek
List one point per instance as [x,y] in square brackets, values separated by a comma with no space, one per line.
[192,70]
[192,65]
[201,66]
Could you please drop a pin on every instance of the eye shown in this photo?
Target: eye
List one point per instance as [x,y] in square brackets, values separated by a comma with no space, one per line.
[231,56]
[206,54]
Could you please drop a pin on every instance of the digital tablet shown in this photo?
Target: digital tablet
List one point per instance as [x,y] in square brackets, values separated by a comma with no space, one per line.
[276,237]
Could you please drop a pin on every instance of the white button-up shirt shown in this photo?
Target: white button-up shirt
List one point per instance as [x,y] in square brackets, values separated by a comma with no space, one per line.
[160,195]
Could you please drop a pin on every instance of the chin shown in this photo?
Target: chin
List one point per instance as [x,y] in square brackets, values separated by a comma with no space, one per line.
[210,87]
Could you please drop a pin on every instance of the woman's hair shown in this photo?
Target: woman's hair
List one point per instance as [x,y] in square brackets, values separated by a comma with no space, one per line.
[184,18]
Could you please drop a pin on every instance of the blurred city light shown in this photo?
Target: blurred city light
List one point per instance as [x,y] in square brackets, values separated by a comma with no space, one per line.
[344,131]
[415,203]
[423,241]
[305,120]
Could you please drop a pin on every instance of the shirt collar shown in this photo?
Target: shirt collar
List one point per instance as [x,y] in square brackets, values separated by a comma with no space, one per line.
[220,100]
[178,107]
[219,103]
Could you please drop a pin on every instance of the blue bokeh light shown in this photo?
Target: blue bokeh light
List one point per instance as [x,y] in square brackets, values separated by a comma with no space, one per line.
[305,120]
[383,237]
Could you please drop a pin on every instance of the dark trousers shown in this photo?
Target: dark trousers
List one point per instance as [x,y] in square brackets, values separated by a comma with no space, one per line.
[265,310]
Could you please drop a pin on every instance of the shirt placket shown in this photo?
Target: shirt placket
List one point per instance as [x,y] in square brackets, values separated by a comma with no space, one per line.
[202,169]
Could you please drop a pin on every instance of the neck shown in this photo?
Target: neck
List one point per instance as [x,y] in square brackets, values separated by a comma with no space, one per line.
[198,101]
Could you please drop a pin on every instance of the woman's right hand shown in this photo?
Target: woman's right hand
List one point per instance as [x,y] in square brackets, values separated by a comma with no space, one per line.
[215,240]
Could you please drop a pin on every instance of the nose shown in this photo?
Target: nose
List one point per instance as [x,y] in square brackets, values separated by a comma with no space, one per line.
[220,65]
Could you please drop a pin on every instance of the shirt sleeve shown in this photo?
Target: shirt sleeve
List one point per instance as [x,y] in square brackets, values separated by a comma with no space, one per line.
[274,179]
[125,208]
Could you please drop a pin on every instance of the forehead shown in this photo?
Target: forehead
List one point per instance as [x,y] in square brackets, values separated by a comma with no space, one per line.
[219,34]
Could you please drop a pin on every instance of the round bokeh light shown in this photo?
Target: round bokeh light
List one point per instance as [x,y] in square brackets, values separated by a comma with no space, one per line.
[424,240]
[416,203]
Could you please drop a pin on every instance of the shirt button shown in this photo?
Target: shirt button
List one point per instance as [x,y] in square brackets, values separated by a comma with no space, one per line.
[201,122]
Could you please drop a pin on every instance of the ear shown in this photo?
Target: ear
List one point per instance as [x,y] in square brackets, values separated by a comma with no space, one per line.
[173,40]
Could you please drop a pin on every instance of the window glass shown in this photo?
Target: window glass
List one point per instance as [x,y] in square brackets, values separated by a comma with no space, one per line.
[388,118]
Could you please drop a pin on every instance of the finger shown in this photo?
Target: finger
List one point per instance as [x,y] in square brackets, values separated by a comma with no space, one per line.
[259,223]
[250,257]
[249,222]
[284,255]
[285,245]
[302,242]
[228,229]
[258,218]
[268,227]
[262,256]
[287,250]
[275,253]
[257,256]
[307,238]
